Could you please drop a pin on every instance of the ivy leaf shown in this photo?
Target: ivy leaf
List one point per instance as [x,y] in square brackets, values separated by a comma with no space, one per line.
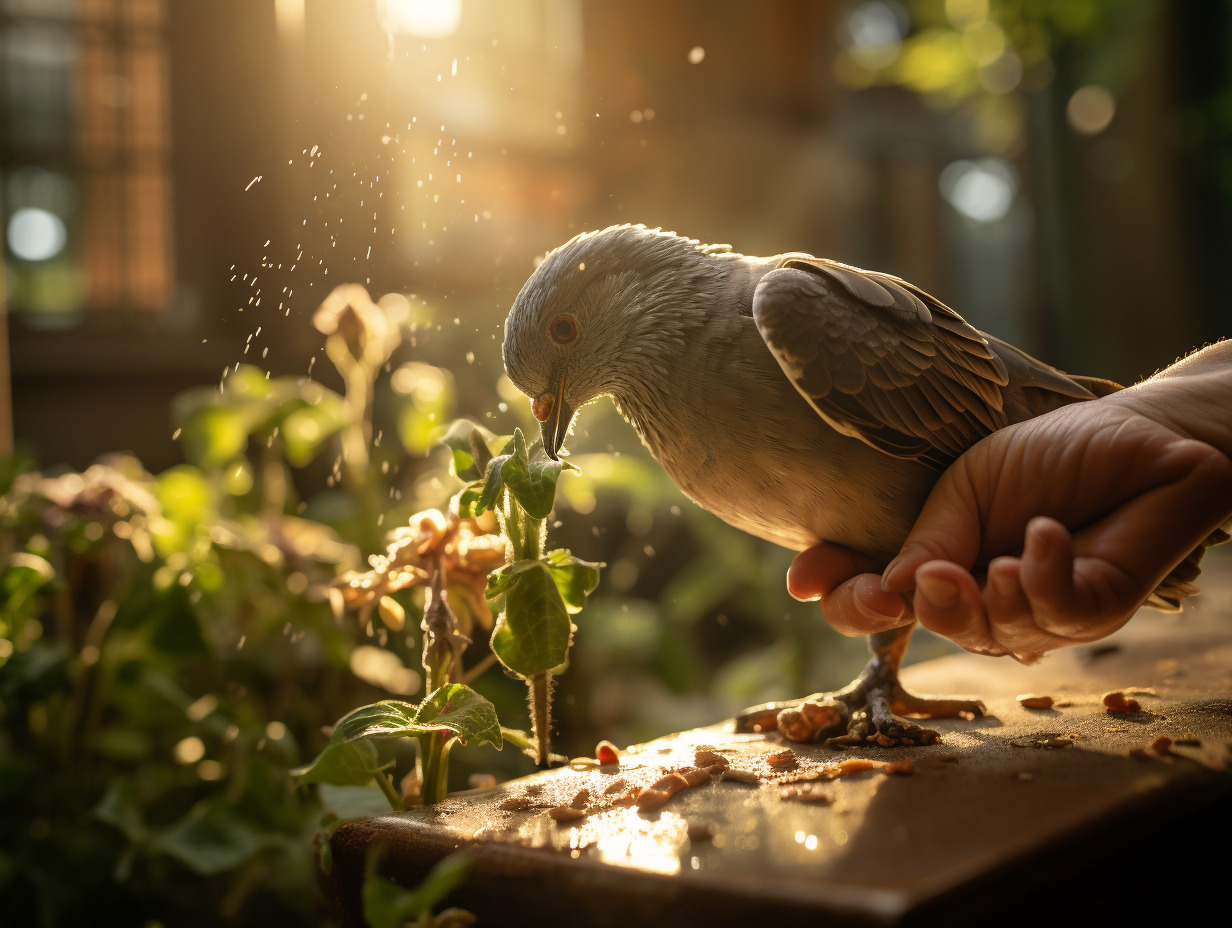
[532,634]
[531,477]
[574,578]
[471,448]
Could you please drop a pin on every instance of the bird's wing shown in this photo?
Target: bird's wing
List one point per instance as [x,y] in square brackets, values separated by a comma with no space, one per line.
[880,359]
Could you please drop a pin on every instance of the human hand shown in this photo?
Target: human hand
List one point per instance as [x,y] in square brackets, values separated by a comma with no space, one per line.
[1075,516]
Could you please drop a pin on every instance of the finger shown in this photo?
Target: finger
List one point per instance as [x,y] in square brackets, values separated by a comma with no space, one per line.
[948,528]
[948,602]
[1123,557]
[860,606]
[852,600]
[1011,619]
[1047,576]
[819,570]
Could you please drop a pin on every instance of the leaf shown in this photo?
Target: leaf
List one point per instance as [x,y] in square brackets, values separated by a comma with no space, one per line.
[455,708]
[306,430]
[459,709]
[574,578]
[502,578]
[493,484]
[211,839]
[344,763]
[531,477]
[466,503]
[388,905]
[471,448]
[532,635]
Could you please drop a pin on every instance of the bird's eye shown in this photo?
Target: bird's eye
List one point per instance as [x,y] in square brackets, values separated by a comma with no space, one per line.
[563,330]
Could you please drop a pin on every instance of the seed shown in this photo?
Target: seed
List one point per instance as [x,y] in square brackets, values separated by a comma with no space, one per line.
[615,786]
[1034,701]
[566,813]
[695,776]
[1118,701]
[606,753]
[741,776]
[708,758]
[806,792]
[783,760]
[1162,745]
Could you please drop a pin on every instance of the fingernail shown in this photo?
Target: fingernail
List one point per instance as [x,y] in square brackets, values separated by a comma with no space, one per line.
[938,592]
[889,582]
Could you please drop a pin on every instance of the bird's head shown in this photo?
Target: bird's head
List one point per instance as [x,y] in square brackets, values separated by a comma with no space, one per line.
[599,316]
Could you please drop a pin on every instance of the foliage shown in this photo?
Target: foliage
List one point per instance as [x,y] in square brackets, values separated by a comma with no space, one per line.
[531,637]
[167,646]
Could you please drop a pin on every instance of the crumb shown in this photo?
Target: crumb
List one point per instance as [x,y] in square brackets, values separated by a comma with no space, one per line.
[1162,745]
[741,776]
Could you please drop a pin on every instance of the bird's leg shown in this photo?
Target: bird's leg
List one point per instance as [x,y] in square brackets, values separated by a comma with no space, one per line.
[864,710]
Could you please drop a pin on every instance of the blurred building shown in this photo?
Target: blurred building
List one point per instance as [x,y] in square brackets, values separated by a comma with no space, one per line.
[181,183]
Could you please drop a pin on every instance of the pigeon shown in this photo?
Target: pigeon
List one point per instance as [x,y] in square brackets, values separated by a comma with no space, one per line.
[795,397]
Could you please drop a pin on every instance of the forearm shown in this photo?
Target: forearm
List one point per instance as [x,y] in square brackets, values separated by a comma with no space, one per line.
[1192,396]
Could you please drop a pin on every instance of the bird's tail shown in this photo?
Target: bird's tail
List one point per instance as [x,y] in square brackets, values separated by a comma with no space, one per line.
[1179,584]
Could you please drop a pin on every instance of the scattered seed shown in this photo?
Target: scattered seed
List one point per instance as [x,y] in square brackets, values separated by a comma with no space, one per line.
[566,813]
[741,776]
[705,757]
[1118,701]
[615,786]
[1162,745]
[581,799]
[516,803]
[695,776]
[783,760]
[606,753]
[1035,701]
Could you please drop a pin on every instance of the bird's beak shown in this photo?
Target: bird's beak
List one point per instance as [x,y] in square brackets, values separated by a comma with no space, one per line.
[554,416]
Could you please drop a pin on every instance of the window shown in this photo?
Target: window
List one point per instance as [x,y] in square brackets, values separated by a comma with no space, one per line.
[85,190]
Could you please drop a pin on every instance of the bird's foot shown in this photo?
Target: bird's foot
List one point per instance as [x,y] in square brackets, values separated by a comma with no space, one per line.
[866,712]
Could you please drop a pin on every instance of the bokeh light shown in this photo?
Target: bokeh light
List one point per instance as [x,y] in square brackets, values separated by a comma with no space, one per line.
[36,234]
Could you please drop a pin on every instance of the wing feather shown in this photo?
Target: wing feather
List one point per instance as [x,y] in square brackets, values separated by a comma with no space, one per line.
[881,360]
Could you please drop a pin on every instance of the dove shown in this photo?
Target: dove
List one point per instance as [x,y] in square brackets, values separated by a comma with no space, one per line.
[796,398]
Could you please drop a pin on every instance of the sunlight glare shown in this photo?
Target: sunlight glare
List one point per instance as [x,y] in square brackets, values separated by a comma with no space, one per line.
[431,18]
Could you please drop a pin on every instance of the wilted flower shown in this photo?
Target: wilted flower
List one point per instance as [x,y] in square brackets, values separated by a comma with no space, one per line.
[463,550]
[367,331]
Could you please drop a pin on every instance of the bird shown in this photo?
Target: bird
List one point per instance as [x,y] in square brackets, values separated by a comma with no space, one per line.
[795,397]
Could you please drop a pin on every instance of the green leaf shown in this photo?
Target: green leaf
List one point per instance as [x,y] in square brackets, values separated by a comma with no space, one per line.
[459,709]
[342,763]
[574,578]
[501,579]
[531,477]
[210,839]
[466,503]
[532,634]
[470,445]
[388,905]
[493,484]
[454,708]
[306,430]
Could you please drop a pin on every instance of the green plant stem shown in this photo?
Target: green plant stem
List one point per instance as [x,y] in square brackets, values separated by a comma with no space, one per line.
[434,765]
[540,686]
[387,787]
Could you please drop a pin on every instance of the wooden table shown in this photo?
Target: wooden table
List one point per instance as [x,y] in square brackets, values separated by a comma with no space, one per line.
[1025,816]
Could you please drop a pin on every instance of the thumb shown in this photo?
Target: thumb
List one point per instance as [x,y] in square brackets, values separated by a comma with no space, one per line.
[948,528]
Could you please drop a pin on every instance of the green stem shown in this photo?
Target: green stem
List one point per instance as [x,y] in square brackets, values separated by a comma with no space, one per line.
[387,787]
[541,716]
[434,765]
